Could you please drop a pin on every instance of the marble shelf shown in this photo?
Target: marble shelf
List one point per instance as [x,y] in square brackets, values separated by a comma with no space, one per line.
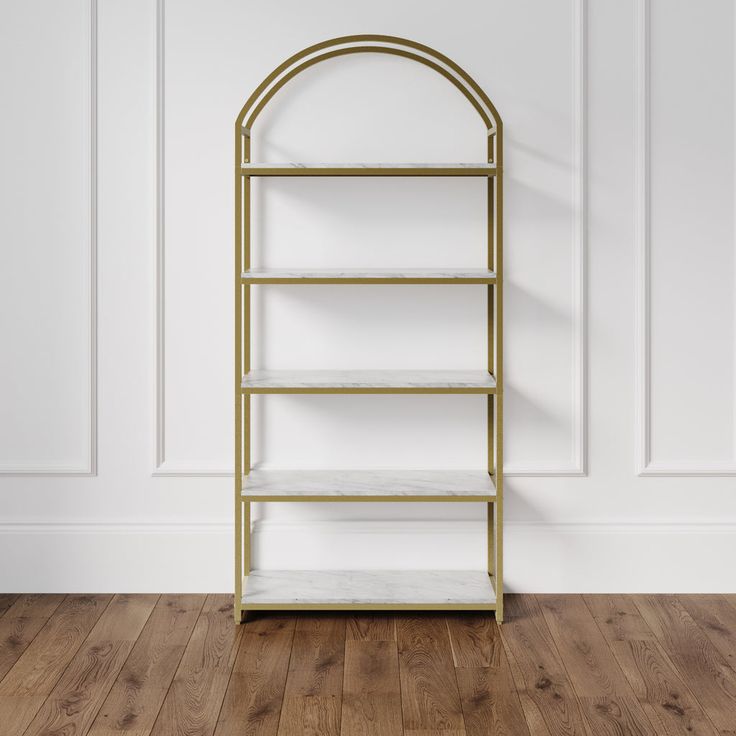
[368,169]
[369,276]
[368,381]
[409,589]
[368,485]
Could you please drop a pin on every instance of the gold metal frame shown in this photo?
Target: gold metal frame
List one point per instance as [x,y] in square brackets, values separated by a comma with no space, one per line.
[369,499]
[493,172]
[368,280]
[266,170]
[370,390]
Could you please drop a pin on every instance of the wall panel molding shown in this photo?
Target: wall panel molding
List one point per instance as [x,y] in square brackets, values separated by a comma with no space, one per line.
[642,327]
[645,464]
[160,465]
[90,467]
[159,405]
[578,465]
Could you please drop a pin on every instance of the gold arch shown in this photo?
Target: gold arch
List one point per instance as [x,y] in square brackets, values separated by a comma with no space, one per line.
[368,43]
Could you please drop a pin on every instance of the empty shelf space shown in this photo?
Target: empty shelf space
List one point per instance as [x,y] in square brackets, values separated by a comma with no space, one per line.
[372,276]
[368,485]
[364,169]
[368,382]
[368,589]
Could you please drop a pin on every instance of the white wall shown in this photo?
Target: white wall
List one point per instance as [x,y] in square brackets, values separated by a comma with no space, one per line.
[116,298]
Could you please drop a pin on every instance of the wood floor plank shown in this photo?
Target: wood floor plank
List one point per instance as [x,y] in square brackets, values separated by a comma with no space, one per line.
[490,702]
[371,627]
[73,703]
[716,616]
[133,703]
[6,601]
[706,671]
[33,677]
[430,697]
[661,691]
[255,693]
[583,649]
[487,690]
[474,640]
[559,666]
[619,715]
[549,703]
[26,616]
[607,699]
[193,701]
[618,618]
[372,689]
[313,693]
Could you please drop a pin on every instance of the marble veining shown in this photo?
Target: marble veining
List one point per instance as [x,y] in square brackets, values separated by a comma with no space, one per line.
[368,586]
[368,483]
[407,273]
[368,379]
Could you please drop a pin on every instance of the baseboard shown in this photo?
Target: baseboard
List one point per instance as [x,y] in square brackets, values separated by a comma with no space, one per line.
[109,557]
[543,557]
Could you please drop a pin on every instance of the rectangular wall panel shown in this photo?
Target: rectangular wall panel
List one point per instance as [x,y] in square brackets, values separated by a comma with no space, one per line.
[47,230]
[689,260]
[373,108]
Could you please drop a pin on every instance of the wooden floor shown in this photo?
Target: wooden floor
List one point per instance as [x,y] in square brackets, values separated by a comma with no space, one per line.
[177,664]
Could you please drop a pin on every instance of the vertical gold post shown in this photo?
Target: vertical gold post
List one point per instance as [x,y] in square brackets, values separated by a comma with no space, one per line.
[245,365]
[497,184]
[238,471]
[246,465]
[246,530]
[491,432]
[491,536]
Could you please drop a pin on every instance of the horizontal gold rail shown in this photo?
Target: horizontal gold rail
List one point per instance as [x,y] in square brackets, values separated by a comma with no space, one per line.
[368,607]
[370,390]
[484,170]
[250,280]
[359,499]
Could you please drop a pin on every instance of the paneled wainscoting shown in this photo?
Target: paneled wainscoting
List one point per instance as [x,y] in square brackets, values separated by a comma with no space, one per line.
[177,664]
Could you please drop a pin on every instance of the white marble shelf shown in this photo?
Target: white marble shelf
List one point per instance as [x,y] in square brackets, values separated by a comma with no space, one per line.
[368,588]
[367,276]
[368,169]
[362,485]
[368,381]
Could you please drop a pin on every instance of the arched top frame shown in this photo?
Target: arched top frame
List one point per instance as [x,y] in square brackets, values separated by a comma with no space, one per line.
[370,43]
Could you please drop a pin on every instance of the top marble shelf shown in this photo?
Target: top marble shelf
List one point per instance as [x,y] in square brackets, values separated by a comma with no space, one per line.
[362,169]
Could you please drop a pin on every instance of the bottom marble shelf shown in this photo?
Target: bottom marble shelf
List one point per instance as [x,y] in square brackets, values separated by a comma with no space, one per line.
[368,589]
